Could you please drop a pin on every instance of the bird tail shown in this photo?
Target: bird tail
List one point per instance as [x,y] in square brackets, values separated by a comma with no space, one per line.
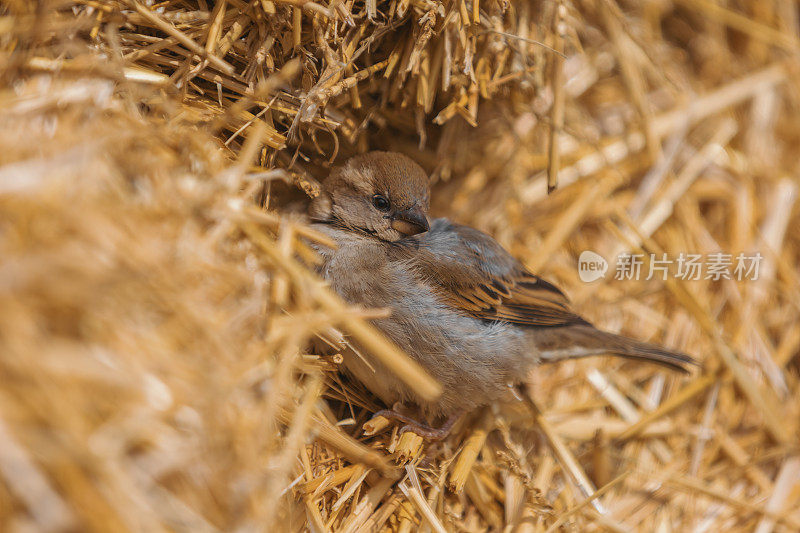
[572,342]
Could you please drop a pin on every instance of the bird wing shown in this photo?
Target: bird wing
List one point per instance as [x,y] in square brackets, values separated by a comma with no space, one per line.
[470,271]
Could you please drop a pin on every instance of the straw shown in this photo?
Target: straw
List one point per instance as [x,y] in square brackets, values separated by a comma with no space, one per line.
[171,359]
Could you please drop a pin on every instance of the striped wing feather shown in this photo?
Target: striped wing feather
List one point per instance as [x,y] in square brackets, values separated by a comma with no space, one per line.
[470,271]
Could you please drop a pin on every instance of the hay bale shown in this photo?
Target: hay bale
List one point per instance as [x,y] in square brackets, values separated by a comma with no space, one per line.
[156,308]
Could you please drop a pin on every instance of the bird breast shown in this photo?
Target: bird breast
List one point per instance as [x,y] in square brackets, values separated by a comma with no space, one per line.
[474,360]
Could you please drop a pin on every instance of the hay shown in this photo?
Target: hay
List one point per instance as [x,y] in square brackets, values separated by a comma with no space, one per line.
[156,308]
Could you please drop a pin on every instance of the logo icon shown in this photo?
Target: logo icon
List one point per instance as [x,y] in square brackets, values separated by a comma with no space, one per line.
[591,266]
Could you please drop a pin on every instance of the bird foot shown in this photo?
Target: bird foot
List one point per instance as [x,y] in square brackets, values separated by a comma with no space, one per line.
[423,430]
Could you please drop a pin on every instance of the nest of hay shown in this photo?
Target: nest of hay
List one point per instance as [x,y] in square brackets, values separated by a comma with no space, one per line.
[157,301]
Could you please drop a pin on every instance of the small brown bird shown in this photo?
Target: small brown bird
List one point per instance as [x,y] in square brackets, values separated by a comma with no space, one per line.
[461,305]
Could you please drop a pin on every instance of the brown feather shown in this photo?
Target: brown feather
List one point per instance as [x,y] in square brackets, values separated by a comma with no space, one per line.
[484,281]
[522,299]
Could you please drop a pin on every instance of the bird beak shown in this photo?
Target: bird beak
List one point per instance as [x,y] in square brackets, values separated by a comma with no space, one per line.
[410,222]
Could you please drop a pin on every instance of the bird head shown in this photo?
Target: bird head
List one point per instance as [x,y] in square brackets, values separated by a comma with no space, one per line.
[382,193]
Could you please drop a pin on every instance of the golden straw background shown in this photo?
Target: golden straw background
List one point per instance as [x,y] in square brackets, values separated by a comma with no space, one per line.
[157,296]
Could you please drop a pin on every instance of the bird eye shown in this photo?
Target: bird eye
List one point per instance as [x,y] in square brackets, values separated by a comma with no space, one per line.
[380,203]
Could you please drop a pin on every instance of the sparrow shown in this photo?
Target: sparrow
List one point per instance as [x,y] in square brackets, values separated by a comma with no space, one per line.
[460,305]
